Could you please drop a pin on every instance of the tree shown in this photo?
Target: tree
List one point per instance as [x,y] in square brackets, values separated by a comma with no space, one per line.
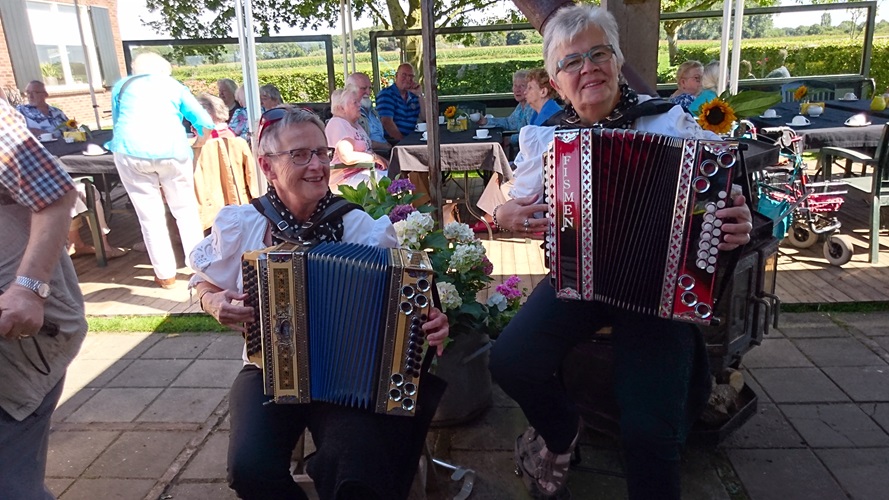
[214,18]
[672,27]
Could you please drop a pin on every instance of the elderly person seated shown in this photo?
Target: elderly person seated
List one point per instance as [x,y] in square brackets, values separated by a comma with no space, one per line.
[688,80]
[224,170]
[709,87]
[227,89]
[239,122]
[521,115]
[660,366]
[41,117]
[354,160]
[269,97]
[360,454]
[540,96]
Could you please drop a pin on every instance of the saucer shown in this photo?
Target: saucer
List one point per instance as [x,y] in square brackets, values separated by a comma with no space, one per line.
[49,140]
[848,124]
[487,125]
[764,117]
[791,124]
[480,138]
[844,99]
[87,153]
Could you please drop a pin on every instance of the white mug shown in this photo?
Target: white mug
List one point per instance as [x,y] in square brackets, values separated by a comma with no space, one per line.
[475,117]
[482,133]
[850,96]
[421,127]
[441,119]
[800,120]
[69,140]
[815,110]
[424,136]
[770,113]
[45,137]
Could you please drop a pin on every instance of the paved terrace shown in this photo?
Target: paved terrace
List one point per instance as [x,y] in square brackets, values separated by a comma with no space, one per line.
[145,416]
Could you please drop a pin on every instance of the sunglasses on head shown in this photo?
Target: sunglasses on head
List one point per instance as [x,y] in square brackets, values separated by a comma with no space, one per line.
[273,116]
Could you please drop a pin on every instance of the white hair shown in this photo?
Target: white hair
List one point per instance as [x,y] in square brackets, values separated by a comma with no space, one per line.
[150,63]
[339,97]
[568,23]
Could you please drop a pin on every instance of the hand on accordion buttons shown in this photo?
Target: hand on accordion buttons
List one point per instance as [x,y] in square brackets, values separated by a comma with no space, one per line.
[737,224]
[518,215]
[220,306]
[436,329]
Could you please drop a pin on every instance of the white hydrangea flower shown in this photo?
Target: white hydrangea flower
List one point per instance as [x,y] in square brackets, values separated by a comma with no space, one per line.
[412,230]
[459,232]
[497,300]
[466,256]
[450,299]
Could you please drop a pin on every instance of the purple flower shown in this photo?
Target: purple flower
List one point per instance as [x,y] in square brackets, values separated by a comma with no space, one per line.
[400,212]
[399,185]
[510,288]
[487,266]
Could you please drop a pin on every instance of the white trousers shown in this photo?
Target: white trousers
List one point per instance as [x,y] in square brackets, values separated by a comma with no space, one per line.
[143,179]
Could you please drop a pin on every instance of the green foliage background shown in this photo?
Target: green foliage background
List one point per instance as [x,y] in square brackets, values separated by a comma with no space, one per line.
[483,70]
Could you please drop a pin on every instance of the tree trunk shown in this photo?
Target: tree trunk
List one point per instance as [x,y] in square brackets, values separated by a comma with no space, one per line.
[672,30]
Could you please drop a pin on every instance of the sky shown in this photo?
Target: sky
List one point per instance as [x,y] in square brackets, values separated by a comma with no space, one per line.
[130,13]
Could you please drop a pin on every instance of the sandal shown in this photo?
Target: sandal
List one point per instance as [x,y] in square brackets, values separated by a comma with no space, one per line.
[544,473]
[115,252]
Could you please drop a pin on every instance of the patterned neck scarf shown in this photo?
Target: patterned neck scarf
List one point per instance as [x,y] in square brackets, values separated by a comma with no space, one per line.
[628,99]
[328,230]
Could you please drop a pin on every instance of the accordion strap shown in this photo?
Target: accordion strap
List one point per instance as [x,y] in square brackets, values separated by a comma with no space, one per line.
[306,231]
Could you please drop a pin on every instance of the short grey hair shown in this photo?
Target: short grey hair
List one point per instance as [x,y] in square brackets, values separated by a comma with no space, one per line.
[520,74]
[339,97]
[568,23]
[151,63]
[215,106]
[271,92]
[268,140]
[710,76]
[227,83]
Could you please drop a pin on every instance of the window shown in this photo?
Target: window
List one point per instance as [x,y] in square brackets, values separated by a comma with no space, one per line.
[60,52]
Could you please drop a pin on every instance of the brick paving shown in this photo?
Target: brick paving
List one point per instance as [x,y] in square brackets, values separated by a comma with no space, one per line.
[144,416]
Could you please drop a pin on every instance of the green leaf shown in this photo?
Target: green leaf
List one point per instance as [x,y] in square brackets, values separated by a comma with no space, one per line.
[753,102]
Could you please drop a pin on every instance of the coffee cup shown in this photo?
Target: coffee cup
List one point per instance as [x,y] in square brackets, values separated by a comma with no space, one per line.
[475,116]
[45,137]
[850,96]
[69,140]
[441,119]
[421,127]
[482,133]
[425,136]
[800,120]
[769,113]
[815,110]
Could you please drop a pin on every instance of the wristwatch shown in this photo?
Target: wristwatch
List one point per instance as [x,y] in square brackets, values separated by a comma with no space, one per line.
[41,288]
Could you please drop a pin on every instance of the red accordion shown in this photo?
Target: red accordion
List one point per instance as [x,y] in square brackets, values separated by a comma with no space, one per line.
[633,219]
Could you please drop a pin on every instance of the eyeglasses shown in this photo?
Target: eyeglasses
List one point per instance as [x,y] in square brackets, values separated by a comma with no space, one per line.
[302,156]
[597,55]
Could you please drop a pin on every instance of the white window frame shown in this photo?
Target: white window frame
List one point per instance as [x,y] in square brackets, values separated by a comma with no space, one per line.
[91,54]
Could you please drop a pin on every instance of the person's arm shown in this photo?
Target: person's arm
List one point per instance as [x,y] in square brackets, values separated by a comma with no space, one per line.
[391,128]
[218,303]
[193,111]
[345,149]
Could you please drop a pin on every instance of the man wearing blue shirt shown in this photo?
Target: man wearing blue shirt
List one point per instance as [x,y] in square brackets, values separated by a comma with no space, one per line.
[151,151]
[401,104]
[370,120]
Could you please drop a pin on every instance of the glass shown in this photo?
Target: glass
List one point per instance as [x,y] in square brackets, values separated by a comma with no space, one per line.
[599,54]
[302,156]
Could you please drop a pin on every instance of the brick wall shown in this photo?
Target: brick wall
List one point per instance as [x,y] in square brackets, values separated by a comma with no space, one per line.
[74,104]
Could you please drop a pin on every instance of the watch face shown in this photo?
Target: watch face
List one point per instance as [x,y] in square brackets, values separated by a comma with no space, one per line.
[43,290]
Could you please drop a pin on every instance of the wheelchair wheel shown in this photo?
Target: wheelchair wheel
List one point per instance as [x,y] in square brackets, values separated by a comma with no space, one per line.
[801,236]
[838,250]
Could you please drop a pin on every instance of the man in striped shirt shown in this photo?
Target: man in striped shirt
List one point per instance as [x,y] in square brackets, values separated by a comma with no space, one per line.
[400,105]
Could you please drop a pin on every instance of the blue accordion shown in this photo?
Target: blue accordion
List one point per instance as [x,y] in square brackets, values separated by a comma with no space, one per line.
[339,323]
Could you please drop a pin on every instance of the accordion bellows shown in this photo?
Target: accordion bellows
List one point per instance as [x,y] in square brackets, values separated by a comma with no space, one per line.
[633,219]
[339,323]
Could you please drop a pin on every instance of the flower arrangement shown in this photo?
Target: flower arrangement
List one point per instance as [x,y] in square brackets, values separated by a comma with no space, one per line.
[450,112]
[719,114]
[800,93]
[462,268]
[73,130]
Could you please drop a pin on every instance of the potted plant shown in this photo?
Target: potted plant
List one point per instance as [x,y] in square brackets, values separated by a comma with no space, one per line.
[463,274]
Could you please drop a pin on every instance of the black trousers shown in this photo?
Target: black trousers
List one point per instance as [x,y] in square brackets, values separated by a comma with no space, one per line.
[661,381]
[361,455]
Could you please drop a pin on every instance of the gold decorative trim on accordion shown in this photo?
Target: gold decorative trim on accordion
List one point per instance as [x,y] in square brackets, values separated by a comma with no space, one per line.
[632,219]
[339,322]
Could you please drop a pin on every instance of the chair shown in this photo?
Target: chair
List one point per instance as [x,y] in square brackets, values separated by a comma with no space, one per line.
[875,187]
[818,90]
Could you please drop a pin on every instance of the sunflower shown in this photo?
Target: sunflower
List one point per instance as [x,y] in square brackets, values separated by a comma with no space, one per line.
[450,112]
[800,92]
[71,123]
[717,116]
